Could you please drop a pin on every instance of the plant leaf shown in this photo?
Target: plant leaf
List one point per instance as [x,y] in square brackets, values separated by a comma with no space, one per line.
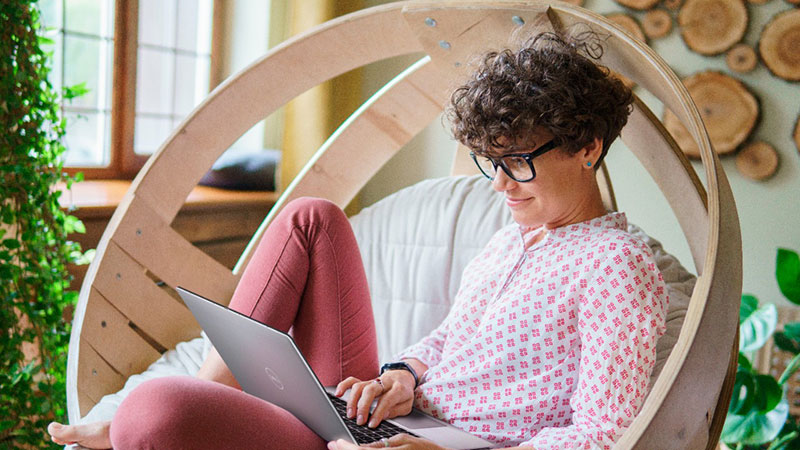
[791,368]
[768,393]
[746,307]
[757,327]
[755,428]
[744,362]
[787,271]
[742,402]
[784,342]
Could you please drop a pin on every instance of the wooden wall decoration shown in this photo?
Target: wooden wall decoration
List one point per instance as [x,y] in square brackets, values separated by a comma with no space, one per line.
[757,161]
[796,135]
[657,23]
[779,45]
[729,110]
[710,27]
[741,58]
[638,4]
[629,24]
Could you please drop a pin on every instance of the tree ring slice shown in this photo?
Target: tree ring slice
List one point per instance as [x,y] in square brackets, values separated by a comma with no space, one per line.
[628,24]
[757,161]
[741,58]
[779,45]
[710,27]
[729,111]
[657,23]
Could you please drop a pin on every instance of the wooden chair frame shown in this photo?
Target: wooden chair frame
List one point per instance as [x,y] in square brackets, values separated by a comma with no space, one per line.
[125,317]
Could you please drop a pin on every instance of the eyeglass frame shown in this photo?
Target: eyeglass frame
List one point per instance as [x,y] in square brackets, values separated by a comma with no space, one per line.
[528,157]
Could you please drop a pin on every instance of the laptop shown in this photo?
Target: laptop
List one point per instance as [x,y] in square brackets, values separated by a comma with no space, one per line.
[268,365]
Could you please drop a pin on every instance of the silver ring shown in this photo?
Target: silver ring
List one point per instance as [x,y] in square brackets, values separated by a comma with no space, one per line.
[385,442]
[378,380]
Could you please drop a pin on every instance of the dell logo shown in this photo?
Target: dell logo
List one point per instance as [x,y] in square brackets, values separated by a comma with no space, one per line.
[274,378]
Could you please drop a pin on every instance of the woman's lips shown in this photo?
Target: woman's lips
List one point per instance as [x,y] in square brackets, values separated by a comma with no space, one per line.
[512,202]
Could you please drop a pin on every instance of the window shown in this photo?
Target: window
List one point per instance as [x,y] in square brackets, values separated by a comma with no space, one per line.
[146,64]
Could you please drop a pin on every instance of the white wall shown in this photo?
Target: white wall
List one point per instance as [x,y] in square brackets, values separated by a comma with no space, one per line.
[768,210]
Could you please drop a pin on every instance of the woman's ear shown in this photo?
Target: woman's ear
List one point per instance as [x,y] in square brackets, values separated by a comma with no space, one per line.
[590,153]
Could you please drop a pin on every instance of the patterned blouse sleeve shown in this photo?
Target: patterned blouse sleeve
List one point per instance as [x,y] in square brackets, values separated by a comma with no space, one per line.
[429,349]
[621,317]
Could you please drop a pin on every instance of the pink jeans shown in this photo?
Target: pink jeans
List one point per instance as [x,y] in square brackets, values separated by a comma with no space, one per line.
[305,276]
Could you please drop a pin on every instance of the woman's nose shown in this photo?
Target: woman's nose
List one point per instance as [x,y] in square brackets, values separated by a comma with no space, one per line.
[501,182]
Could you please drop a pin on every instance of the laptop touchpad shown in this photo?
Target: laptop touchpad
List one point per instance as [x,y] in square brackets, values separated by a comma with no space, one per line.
[417,420]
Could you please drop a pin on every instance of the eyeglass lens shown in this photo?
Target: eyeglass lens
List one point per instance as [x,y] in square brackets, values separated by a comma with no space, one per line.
[517,167]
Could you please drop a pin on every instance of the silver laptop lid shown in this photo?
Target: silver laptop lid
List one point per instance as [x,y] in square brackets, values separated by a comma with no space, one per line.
[269,366]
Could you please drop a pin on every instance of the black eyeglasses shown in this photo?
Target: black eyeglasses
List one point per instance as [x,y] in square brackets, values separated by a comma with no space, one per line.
[518,166]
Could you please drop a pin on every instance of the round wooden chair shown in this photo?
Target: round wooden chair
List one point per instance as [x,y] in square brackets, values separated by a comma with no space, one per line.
[127,314]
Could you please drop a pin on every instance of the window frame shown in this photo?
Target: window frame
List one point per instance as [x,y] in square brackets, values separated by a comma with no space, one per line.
[124,162]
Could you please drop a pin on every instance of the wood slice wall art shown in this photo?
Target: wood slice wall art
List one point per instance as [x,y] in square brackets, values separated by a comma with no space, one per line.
[796,135]
[741,58]
[673,5]
[779,45]
[628,24]
[710,27]
[757,161]
[641,5]
[729,110]
[657,23]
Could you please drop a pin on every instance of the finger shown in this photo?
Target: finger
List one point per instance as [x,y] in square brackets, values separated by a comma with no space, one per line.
[345,385]
[368,394]
[355,396]
[389,402]
[341,444]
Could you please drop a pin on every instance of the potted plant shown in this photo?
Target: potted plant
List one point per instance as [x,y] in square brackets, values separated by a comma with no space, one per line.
[758,415]
[34,249]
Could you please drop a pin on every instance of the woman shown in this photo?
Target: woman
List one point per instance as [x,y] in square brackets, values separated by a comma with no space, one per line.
[551,339]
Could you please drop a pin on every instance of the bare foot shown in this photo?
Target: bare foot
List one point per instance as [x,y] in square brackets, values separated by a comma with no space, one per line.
[90,435]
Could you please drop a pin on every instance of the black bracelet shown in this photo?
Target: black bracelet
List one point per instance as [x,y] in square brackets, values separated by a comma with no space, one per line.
[400,365]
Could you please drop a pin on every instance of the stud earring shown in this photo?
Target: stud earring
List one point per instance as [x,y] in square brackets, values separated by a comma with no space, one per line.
[588,164]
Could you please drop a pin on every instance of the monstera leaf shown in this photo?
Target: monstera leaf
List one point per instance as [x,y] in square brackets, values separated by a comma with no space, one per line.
[756,324]
[787,271]
[755,427]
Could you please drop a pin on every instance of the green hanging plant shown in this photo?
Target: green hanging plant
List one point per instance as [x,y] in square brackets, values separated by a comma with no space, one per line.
[34,249]
[758,415]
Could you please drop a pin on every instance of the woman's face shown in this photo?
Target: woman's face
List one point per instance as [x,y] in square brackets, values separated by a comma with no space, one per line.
[564,191]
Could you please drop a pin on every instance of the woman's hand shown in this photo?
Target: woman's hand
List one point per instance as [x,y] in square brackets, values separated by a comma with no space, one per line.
[394,391]
[401,441]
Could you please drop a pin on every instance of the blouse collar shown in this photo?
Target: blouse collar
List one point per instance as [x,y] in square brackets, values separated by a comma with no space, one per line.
[611,220]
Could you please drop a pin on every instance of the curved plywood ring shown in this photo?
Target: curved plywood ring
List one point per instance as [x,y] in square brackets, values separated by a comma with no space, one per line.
[663,159]
[658,422]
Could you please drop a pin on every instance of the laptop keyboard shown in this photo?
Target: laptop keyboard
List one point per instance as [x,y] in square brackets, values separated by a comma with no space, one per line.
[362,433]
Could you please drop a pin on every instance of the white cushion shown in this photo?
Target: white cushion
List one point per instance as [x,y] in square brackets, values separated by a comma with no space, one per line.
[415,244]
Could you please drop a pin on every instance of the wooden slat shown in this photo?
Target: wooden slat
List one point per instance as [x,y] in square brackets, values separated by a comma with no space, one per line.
[125,284]
[380,127]
[286,71]
[652,144]
[606,189]
[107,331]
[85,403]
[155,245]
[97,377]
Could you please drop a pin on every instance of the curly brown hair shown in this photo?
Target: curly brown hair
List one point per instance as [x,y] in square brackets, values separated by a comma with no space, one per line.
[549,82]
